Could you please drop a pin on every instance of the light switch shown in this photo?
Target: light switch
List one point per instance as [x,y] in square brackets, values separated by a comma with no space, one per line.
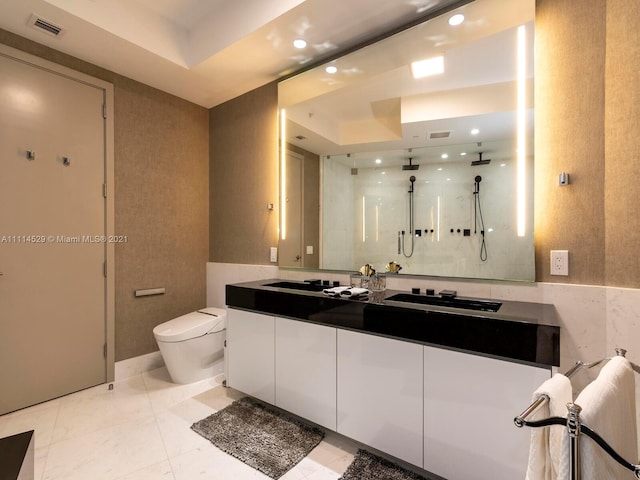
[309,249]
[273,254]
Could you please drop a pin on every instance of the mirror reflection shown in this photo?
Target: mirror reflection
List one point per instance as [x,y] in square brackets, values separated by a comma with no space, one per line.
[417,149]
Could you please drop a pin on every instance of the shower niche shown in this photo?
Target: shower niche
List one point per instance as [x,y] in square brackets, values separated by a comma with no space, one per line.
[433,173]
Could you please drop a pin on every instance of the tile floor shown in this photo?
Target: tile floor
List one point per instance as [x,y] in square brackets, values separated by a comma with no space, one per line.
[140,430]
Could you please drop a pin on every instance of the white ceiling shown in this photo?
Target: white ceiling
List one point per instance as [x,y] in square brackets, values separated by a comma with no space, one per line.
[207,51]
[372,107]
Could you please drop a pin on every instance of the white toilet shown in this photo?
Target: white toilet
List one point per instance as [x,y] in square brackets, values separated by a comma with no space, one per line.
[193,345]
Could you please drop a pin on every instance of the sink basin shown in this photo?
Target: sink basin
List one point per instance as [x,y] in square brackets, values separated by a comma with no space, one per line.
[468,303]
[307,287]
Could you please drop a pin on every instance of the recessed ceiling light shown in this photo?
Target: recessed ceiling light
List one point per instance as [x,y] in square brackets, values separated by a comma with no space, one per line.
[475,131]
[456,19]
[299,43]
[462,154]
[426,67]
[331,69]
[444,155]
[378,161]
[440,169]
[383,173]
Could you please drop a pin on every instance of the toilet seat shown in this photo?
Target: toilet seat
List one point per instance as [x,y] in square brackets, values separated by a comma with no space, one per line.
[192,325]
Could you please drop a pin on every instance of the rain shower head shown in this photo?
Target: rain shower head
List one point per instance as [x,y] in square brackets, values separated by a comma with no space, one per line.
[411,166]
[480,160]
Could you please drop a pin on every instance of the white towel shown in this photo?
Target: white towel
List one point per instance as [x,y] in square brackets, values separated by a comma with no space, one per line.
[354,292]
[547,443]
[335,291]
[608,408]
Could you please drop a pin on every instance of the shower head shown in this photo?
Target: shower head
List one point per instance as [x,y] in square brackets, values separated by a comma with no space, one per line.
[478,179]
[480,160]
[411,166]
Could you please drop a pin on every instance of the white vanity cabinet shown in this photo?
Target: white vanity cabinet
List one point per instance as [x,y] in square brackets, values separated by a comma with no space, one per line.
[251,353]
[306,370]
[380,393]
[469,405]
[448,412]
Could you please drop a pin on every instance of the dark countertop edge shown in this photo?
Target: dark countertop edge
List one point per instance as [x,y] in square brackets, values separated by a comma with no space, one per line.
[549,349]
[405,339]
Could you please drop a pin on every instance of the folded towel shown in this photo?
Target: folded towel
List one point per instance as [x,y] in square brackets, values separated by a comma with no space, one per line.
[335,291]
[608,408]
[549,444]
[354,292]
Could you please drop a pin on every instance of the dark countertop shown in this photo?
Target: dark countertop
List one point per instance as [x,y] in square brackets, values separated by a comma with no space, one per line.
[523,332]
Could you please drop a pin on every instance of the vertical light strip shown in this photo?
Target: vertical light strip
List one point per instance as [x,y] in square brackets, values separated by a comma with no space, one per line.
[521,126]
[438,221]
[377,223]
[283,174]
[364,237]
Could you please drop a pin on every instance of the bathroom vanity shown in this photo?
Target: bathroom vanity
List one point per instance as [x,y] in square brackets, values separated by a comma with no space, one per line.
[433,384]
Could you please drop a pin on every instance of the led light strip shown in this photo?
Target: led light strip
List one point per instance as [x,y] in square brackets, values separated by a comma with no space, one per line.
[521,128]
[283,174]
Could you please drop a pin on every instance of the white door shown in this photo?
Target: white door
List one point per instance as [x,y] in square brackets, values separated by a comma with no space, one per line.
[251,353]
[52,217]
[379,393]
[306,370]
[469,402]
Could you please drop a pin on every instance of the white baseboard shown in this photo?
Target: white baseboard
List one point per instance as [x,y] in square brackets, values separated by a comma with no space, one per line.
[137,365]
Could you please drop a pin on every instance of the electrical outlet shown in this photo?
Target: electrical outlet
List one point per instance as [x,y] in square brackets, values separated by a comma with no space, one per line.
[273,254]
[560,262]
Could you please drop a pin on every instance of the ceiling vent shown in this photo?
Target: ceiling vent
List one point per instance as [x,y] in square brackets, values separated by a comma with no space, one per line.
[45,26]
[436,135]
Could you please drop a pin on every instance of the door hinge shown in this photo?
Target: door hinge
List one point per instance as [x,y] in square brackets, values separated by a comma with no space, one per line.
[105,350]
[104,110]
[104,269]
[225,343]
[104,190]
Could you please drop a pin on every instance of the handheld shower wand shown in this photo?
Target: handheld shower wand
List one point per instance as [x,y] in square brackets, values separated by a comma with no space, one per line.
[412,179]
[478,179]
[478,209]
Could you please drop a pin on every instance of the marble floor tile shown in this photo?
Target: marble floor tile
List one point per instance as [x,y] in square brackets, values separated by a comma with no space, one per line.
[98,407]
[106,454]
[41,418]
[141,430]
[158,471]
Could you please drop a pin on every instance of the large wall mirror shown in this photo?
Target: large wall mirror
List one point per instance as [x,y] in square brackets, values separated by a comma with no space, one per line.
[417,149]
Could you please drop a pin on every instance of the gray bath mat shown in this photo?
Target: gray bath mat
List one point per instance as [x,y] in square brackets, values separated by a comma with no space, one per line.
[261,437]
[367,466]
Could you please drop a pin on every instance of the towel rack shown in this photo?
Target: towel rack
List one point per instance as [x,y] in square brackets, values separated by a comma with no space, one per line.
[575,427]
